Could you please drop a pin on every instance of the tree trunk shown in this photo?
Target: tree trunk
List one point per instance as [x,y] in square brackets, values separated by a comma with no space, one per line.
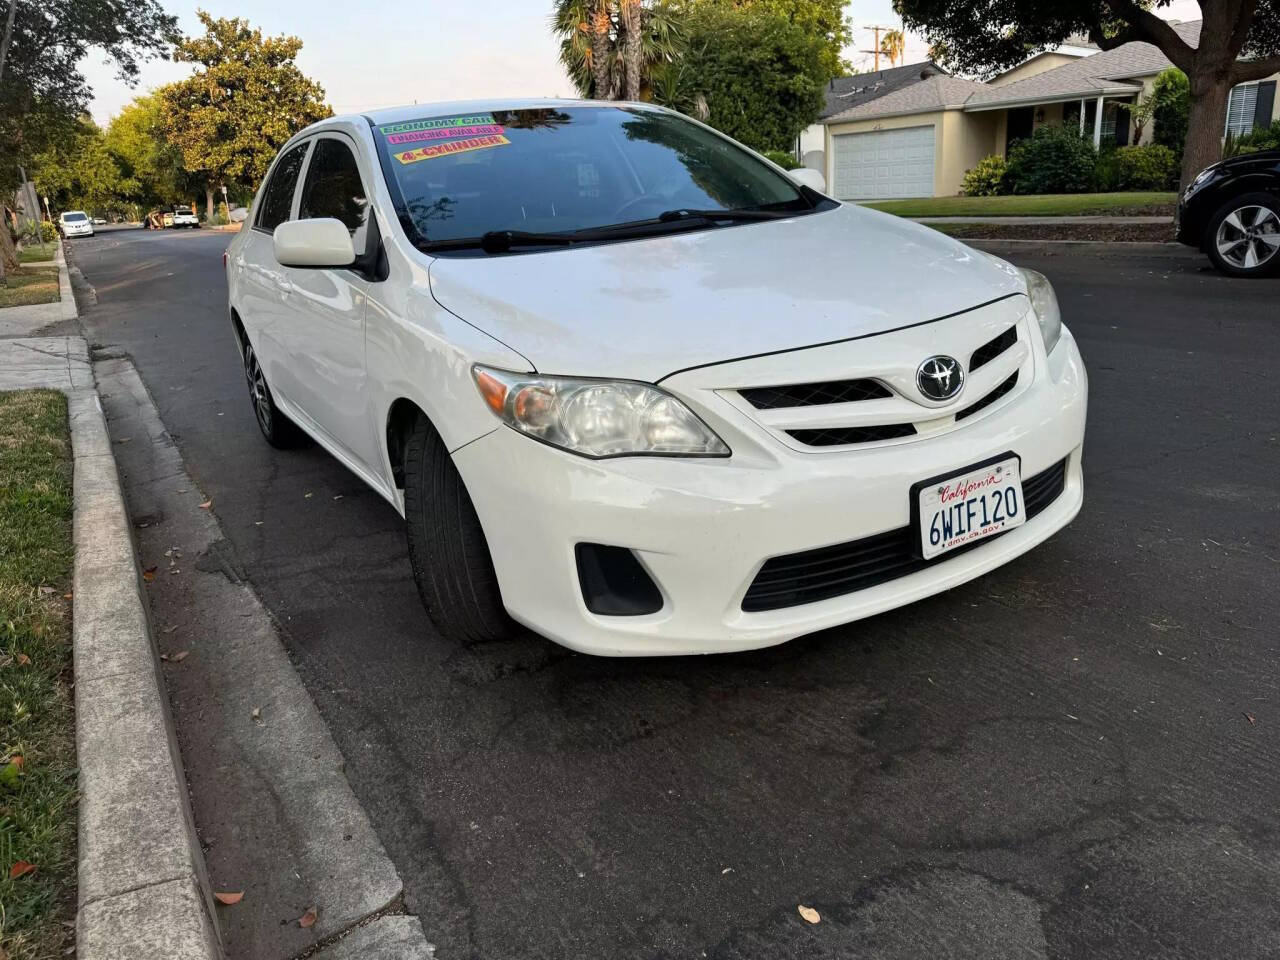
[1206,121]
[632,48]
[208,204]
[601,65]
[8,252]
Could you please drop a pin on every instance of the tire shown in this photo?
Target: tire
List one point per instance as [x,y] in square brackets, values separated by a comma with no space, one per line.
[447,547]
[279,431]
[1243,236]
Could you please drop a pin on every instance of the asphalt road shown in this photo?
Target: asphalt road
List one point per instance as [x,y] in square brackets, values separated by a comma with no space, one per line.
[1074,756]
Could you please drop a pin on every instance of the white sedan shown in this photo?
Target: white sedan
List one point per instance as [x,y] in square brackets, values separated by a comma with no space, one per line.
[638,389]
[75,223]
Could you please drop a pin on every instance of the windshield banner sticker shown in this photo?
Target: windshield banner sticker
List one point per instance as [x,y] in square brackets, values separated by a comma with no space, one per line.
[444,133]
[408,126]
[451,147]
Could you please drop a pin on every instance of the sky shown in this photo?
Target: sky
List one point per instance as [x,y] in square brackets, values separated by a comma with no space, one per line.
[392,52]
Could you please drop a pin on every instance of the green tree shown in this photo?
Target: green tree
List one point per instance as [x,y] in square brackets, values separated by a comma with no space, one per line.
[1239,41]
[823,20]
[152,172]
[1170,107]
[761,75]
[892,46]
[42,92]
[231,117]
[612,49]
[79,171]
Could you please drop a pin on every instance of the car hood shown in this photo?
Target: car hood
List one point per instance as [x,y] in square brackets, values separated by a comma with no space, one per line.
[644,309]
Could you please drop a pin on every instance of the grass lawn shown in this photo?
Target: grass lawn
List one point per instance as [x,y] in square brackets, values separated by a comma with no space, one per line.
[1034,205]
[27,286]
[36,254]
[37,731]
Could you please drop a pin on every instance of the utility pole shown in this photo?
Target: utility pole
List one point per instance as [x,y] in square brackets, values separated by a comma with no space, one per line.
[876,51]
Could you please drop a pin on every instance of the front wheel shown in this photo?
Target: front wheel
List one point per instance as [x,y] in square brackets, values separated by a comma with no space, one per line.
[447,547]
[1243,238]
[279,431]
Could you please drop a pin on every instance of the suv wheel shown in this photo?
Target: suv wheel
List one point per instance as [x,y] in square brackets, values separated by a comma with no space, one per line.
[447,546]
[1243,239]
[279,430]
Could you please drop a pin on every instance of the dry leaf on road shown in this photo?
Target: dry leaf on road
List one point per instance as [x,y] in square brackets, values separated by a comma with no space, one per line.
[308,919]
[229,899]
[176,657]
[149,574]
[809,913]
[206,505]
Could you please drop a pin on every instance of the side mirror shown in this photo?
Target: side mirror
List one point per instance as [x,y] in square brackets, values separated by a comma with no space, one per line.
[808,177]
[323,242]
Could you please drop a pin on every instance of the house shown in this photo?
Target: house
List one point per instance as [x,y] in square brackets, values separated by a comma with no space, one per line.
[844,93]
[919,140]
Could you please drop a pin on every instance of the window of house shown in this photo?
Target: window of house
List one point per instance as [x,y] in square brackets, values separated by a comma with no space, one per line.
[1241,109]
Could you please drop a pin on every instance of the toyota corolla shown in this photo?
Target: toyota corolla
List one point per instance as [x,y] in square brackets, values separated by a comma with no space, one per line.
[638,389]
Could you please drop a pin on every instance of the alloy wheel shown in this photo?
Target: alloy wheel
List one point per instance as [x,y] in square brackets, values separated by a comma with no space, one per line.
[1249,237]
[257,389]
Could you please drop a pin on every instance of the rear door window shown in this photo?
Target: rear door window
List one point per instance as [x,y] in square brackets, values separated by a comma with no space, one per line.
[277,199]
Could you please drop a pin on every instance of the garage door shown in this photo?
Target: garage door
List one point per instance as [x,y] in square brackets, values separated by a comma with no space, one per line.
[884,163]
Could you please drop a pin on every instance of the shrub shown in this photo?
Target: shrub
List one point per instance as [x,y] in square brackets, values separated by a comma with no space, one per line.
[783,159]
[1263,138]
[1150,167]
[1106,170]
[986,179]
[1051,160]
[1172,95]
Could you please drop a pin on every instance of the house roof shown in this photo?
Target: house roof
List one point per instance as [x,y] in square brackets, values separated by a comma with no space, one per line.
[934,93]
[844,93]
[1108,72]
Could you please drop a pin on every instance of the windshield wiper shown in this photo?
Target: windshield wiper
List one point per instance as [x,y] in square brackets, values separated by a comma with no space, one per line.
[725,215]
[502,241]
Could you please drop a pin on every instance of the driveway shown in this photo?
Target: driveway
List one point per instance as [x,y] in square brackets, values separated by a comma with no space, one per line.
[1075,756]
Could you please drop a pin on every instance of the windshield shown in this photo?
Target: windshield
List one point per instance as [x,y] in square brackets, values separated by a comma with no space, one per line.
[559,170]
[73,217]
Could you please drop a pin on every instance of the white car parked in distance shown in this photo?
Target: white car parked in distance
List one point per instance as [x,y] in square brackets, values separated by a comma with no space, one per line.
[638,389]
[185,217]
[75,223]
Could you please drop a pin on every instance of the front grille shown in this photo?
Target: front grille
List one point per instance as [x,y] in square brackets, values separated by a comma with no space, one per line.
[1003,388]
[993,348]
[837,436]
[814,394]
[846,568]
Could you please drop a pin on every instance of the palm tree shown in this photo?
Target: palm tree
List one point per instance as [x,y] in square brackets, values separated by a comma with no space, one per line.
[611,48]
[892,46]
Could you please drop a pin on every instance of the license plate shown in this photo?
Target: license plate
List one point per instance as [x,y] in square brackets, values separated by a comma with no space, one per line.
[958,509]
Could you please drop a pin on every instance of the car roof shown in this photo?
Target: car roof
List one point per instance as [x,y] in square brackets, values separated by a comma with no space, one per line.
[417,111]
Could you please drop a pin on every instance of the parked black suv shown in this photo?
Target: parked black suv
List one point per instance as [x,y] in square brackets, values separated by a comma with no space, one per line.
[1231,211]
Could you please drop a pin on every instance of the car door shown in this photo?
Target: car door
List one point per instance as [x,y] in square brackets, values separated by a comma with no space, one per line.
[324,330]
[264,287]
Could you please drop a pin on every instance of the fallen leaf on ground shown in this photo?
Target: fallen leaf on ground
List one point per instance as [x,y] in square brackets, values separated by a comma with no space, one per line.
[124,439]
[308,919]
[338,497]
[68,595]
[206,505]
[256,716]
[1250,717]
[24,660]
[307,496]
[170,629]
[16,760]
[149,574]
[177,657]
[21,868]
[810,914]
[45,591]
[229,899]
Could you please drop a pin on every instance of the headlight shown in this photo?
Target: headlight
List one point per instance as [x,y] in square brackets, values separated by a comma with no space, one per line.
[1045,303]
[597,418]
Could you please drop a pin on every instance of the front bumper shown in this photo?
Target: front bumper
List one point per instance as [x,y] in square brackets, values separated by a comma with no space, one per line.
[703,528]
[68,231]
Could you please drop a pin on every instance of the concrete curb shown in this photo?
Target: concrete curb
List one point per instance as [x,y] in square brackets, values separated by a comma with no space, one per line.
[142,886]
[64,284]
[1084,248]
[142,891]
